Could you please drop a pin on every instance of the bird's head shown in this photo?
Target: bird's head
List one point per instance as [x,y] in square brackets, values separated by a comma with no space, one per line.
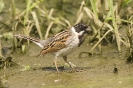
[82,29]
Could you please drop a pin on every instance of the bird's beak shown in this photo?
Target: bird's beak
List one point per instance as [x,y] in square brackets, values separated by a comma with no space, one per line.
[89,30]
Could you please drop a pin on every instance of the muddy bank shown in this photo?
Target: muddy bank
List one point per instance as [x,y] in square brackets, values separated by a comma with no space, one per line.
[97,70]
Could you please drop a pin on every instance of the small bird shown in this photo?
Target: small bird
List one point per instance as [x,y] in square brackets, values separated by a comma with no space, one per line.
[62,43]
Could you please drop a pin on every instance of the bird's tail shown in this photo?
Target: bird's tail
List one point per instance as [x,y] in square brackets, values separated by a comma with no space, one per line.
[27,37]
[37,41]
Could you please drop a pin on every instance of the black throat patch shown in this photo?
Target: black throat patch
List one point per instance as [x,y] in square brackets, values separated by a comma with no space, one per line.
[81,39]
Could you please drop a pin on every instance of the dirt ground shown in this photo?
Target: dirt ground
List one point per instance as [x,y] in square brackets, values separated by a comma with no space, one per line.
[96,71]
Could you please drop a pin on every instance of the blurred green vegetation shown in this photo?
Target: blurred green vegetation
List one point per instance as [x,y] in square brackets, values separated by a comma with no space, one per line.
[111,20]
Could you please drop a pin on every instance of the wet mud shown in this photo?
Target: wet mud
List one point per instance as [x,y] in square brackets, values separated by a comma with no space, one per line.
[95,71]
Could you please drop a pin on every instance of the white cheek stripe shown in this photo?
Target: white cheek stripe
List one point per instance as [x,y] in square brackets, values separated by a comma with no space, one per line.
[73,31]
[80,33]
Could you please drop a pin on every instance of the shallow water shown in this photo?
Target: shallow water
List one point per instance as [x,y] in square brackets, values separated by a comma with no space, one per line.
[96,70]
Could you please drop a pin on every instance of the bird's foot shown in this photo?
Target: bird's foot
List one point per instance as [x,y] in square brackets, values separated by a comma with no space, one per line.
[71,65]
[76,70]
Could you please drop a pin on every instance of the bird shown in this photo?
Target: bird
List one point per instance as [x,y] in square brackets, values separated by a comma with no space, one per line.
[61,44]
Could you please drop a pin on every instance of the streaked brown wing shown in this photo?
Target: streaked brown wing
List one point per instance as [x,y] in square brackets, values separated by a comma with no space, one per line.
[58,42]
[53,48]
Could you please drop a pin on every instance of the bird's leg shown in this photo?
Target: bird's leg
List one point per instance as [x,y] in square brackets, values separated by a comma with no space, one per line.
[55,62]
[65,59]
[71,65]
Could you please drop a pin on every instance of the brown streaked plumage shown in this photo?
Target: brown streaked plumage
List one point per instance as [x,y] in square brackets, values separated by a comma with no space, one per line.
[57,42]
[62,43]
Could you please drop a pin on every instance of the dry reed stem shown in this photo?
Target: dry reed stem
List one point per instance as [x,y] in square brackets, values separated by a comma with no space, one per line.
[48,29]
[37,24]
